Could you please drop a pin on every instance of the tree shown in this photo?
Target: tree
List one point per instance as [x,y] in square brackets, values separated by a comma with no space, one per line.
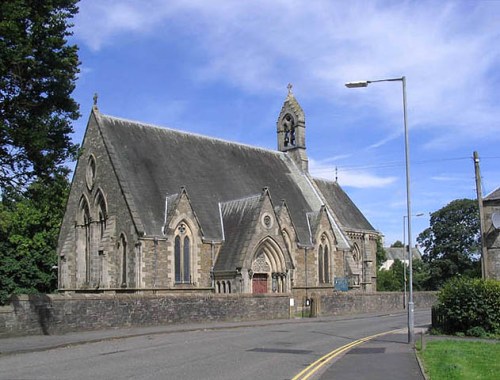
[392,279]
[397,244]
[381,255]
[451,243]
[29,228]
[38,70]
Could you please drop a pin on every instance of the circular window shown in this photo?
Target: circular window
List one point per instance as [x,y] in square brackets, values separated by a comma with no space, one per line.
[90,174]
[267,220]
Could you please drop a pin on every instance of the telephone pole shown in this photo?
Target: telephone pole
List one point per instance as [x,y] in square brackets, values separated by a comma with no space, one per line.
[484,252]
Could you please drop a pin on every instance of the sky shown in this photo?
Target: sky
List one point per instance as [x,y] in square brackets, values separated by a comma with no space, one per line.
[220,68]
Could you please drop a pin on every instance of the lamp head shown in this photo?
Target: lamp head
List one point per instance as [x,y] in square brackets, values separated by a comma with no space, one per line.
[363,83]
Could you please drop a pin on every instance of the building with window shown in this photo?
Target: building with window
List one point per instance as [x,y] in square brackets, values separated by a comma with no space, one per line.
[155,209]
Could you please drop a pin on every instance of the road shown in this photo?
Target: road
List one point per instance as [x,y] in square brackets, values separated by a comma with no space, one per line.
[261,351]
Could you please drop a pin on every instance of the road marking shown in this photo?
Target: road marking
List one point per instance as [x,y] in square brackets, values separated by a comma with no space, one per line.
[322,361]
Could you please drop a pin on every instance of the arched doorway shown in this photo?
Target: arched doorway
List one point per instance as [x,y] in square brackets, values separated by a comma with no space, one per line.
[269,273]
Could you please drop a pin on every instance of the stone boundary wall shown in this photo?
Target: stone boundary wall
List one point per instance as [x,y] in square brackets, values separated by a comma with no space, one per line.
[59,314]
[345,303]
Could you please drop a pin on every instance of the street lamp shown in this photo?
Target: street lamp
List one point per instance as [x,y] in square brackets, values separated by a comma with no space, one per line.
[411,311]
[409,256]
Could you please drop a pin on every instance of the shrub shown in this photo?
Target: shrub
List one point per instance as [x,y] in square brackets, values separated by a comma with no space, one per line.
[470,306]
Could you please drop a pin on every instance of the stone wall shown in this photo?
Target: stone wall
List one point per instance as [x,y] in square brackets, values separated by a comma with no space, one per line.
[345,303]
[59,314]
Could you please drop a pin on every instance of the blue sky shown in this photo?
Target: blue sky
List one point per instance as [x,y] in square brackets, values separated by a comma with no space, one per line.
[221,68]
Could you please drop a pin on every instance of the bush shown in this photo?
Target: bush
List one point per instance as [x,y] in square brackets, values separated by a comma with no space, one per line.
[476,331]
[469,306]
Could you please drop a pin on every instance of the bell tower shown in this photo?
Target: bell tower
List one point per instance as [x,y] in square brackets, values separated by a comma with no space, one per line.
[291,127]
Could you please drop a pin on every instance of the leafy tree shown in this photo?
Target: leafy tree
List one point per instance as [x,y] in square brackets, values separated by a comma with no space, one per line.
[38,70]
[451,243]
[420,275]
[392,279]
[397,244]
[29,228]
[381,255]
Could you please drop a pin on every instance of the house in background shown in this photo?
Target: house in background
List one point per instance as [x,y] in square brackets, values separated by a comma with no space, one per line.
[398,253]
[491,223]
[158,210]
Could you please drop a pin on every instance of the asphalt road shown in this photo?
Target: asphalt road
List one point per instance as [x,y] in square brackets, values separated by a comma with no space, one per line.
[261,351]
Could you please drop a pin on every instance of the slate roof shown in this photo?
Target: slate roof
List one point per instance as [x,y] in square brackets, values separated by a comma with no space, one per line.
[238,218]
[348,215]
[153,164]
[393,253]
[493,196]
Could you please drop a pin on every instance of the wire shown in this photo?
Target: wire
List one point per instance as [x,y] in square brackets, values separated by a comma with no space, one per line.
[389,164]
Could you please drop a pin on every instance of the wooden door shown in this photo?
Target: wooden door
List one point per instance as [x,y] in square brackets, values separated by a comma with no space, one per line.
[259,283]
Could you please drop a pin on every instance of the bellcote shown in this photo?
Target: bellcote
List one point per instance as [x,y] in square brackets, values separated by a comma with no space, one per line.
[291,127]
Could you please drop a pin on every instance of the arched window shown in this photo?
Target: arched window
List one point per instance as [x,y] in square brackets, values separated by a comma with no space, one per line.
[321,268]
[324,260]
[186,260]
[289,128]
[102,213]
[123,252]
[84,236]
[177,259]
[182,255]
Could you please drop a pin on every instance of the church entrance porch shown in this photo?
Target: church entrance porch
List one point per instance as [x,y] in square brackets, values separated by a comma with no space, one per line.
[259,283]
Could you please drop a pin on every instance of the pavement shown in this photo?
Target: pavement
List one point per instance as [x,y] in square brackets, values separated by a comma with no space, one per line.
[386,356]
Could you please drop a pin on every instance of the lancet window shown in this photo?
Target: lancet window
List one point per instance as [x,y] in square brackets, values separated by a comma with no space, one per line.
[182,254]
[324,261]
[124,259]
[85,236]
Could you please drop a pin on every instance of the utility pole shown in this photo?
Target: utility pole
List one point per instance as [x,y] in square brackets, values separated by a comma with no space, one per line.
[484,252]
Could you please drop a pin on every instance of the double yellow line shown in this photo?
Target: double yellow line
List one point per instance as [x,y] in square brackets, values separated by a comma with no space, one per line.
[314,367]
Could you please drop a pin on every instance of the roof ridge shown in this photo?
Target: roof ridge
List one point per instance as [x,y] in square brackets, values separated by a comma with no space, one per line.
[193,134]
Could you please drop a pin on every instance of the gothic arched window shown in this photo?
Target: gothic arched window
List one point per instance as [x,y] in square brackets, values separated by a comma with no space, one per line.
[123,252]
[321,268]
[84,236]
[289,128]
[182,254]
[324,261]
[101,213]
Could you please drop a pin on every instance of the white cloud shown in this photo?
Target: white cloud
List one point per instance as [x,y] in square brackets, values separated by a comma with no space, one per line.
[351,178]
[447,50]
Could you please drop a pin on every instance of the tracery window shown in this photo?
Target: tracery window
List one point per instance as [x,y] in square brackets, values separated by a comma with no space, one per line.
[182,254]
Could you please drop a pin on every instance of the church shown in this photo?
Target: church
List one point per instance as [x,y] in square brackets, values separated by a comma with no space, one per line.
[164,211]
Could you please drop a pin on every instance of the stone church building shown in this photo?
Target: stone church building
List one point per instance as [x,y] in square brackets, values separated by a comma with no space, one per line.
[158,210]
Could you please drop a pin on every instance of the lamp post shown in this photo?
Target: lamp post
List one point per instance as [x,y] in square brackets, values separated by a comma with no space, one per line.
[411,314]
[409,256]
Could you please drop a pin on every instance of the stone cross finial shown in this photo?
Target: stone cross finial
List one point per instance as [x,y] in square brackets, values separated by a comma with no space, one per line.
[95,98]
[289,88]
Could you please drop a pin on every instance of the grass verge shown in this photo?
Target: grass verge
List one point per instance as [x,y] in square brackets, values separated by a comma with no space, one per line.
[461,359]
